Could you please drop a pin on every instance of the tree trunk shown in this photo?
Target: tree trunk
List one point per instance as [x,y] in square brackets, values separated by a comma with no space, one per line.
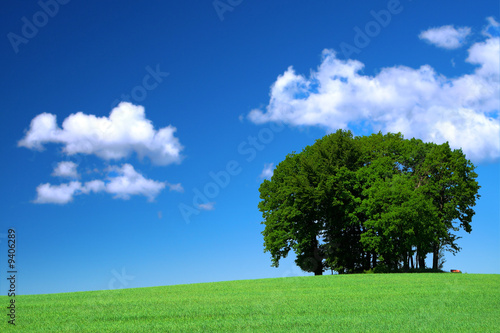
[318,259]
[435,256]
[319,269]
[411,261]
[421,262]
[366,260]
[420,259]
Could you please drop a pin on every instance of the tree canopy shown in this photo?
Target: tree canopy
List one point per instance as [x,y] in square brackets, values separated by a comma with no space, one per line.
[352,204]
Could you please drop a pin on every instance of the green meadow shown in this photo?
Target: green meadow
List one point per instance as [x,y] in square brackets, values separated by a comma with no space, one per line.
[423,302]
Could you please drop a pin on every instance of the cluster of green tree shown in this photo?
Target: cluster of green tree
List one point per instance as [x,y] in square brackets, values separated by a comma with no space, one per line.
[382,202]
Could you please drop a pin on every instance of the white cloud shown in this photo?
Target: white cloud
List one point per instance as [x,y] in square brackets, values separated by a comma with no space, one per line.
[175,187]
[447,36]
[129,182]
[207,206]
[65,169]
[268,171]
[122,182]
[417,102]
[95,186]
[125,131]
[486,55]
[57,194]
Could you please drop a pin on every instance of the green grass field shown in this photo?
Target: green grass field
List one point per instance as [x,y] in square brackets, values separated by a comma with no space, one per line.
[358,303]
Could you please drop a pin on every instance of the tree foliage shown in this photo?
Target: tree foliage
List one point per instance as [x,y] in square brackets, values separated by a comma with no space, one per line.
[357,203]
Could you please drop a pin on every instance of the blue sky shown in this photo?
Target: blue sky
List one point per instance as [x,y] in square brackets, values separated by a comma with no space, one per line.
[163,189]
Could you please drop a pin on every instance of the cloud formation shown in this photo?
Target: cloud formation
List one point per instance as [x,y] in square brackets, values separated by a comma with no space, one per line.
[447,37]
[125,131]
[129,182]
[122,182]
[420,103]
[57,194]
[65,169]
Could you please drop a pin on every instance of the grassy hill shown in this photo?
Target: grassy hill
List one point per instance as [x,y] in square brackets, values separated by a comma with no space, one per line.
[358,303]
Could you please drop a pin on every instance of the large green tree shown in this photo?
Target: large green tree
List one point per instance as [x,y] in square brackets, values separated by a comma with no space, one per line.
[307,200]
[354,203]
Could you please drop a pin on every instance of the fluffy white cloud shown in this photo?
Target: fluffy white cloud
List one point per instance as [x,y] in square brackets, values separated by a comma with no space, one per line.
[268,171]
[57,194]
[122,182]
[65,169]
[486,55]
[125,131]
[447,36]
[95,186]
[417,102]
[129,182]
